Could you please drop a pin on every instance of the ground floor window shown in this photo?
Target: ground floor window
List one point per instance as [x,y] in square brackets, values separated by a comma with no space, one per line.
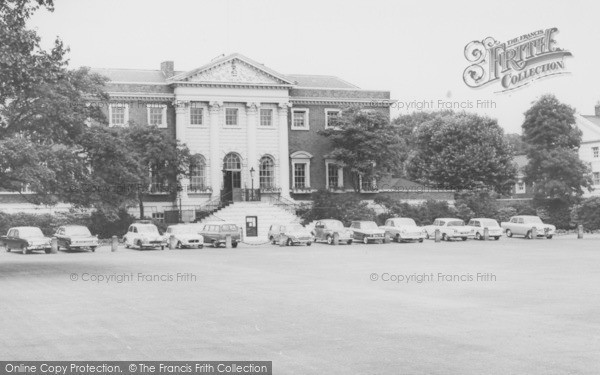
[596,178]
[520,188]
[198,173]
[334,175]
[266,173]
[158,216]
[300,175]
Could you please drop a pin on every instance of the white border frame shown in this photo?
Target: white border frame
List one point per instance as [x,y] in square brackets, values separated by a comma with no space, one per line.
[126,117]
[306,111]
[163,124]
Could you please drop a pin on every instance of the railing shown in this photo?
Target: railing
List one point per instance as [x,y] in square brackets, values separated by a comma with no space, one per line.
[285,204]
[251,195]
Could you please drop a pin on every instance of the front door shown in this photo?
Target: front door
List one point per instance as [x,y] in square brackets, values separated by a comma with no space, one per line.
[232,186]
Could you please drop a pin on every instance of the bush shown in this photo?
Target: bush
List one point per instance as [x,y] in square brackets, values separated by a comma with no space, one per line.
[587,213]
[105,225]
[343,207]
[48,223]
[423,214]
[482,203]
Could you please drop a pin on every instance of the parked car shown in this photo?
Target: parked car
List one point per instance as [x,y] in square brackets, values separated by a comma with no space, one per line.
[450,228]
[326,229]
[26,240]
[367,231]
[402,229]
[494,229]
[186,236]
[216,233]
[144,235]
[292,234]
[76,237]
[523,226]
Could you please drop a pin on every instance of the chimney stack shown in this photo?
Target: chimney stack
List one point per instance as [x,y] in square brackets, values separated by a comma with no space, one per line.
[597,109]
[168,68]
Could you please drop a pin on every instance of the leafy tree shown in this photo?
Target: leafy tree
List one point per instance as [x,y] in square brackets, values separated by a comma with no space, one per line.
[159,155]
[364,142]
[515,140]
[587,213]
[553,139]
[482,203]
[462,151]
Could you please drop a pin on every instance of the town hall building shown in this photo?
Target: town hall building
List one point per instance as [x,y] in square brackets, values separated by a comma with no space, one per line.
[252,130]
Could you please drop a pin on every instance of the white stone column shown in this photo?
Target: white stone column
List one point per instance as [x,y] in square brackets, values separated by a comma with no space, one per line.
[216,164]
[252,123]
[284,152]
[181,122]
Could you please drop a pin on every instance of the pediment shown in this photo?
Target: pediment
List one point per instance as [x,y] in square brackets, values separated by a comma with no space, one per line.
[234,69]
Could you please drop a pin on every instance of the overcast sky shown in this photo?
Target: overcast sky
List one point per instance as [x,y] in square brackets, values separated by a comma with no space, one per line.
[415,49]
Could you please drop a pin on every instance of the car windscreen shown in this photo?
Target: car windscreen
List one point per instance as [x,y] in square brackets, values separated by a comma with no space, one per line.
[489,223]
[368,225]
[184,229]
[405,222]
[456,223]
[334,224]
[30,232]
[147,229]
[294,228]
[77,231]
[229,227]
[532,220]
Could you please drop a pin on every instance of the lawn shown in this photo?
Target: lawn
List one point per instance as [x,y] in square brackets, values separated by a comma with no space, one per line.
[315,310]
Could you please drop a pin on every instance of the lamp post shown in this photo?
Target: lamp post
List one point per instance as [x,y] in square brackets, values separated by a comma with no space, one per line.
[252,182]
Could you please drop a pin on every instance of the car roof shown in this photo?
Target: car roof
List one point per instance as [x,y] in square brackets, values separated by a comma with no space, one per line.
[526,216]
[219,223]
[74,226]
[482,218]
[449,218]
[328,220]
[19,228]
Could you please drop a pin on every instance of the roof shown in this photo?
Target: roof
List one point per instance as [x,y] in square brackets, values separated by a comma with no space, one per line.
[149,76]
[320,81]
[592,118]
[449,218]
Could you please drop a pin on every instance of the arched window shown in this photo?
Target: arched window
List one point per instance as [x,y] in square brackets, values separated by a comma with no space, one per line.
[198,173]
[266,173]
[232,162]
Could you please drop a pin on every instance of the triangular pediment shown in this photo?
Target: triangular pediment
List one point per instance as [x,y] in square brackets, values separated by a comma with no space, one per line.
[589,130]
[234,69]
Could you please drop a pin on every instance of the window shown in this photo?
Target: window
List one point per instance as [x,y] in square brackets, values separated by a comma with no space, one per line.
[520,189]
[232,162]
[158,184]
[366,184]
[300,119]
[266,173]
[198,173]
[334,175]
[596,178]
[158,216]
[595,151]
[196,114]
[266,117]
[118,114]
[157,115]
[330,114]
[231,116]
[300,175]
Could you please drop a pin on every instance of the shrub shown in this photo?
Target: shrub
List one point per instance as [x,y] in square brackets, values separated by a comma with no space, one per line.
[482,203]
[343,207]
[48,223]
[423,214]
[587,213]
[106,225]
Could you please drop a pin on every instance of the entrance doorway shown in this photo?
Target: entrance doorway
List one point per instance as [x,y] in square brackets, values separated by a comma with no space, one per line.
[232,178]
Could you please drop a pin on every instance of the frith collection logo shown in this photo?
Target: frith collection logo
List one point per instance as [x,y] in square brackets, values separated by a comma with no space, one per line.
[514,63]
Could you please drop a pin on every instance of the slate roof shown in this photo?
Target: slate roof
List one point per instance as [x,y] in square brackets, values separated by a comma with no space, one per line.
[592,118]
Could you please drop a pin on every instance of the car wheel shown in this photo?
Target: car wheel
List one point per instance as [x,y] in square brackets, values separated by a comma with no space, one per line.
[549,236]
[139,244]
[162,247]
[444,237]
[24,250]
[464,238]
[427,235]
[7,249]
[179,245]
[329,240]
[308,243]
[365,240]
[508,233]
[272,239]
[397,238]
[234,244]
[47,251]
[349,242]
[215,244]
[528,235]
[289,242]
[478,236]
[497,238]
[420,240]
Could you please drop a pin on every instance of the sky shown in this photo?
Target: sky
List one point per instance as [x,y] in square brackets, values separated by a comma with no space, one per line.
[415,49]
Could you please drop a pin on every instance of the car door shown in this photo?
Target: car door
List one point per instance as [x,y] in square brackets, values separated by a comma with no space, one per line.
[521,227]
[60,236]
[10,239]
[319,230]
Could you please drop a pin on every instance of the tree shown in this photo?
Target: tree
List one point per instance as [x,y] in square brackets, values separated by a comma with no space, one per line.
[553,142]
[462,151]
[343,207]
[365,142]
[515,140]
[587,213]
[161,159]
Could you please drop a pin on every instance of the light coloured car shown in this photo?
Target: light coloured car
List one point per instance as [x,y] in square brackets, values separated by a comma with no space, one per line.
[26,240]
[523,225]
[326,230]
[73,237]
[494,229]
[186,236]
[402,229]
[450,228]
[292,234]
[144,235]
[367,231]
[216,233]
